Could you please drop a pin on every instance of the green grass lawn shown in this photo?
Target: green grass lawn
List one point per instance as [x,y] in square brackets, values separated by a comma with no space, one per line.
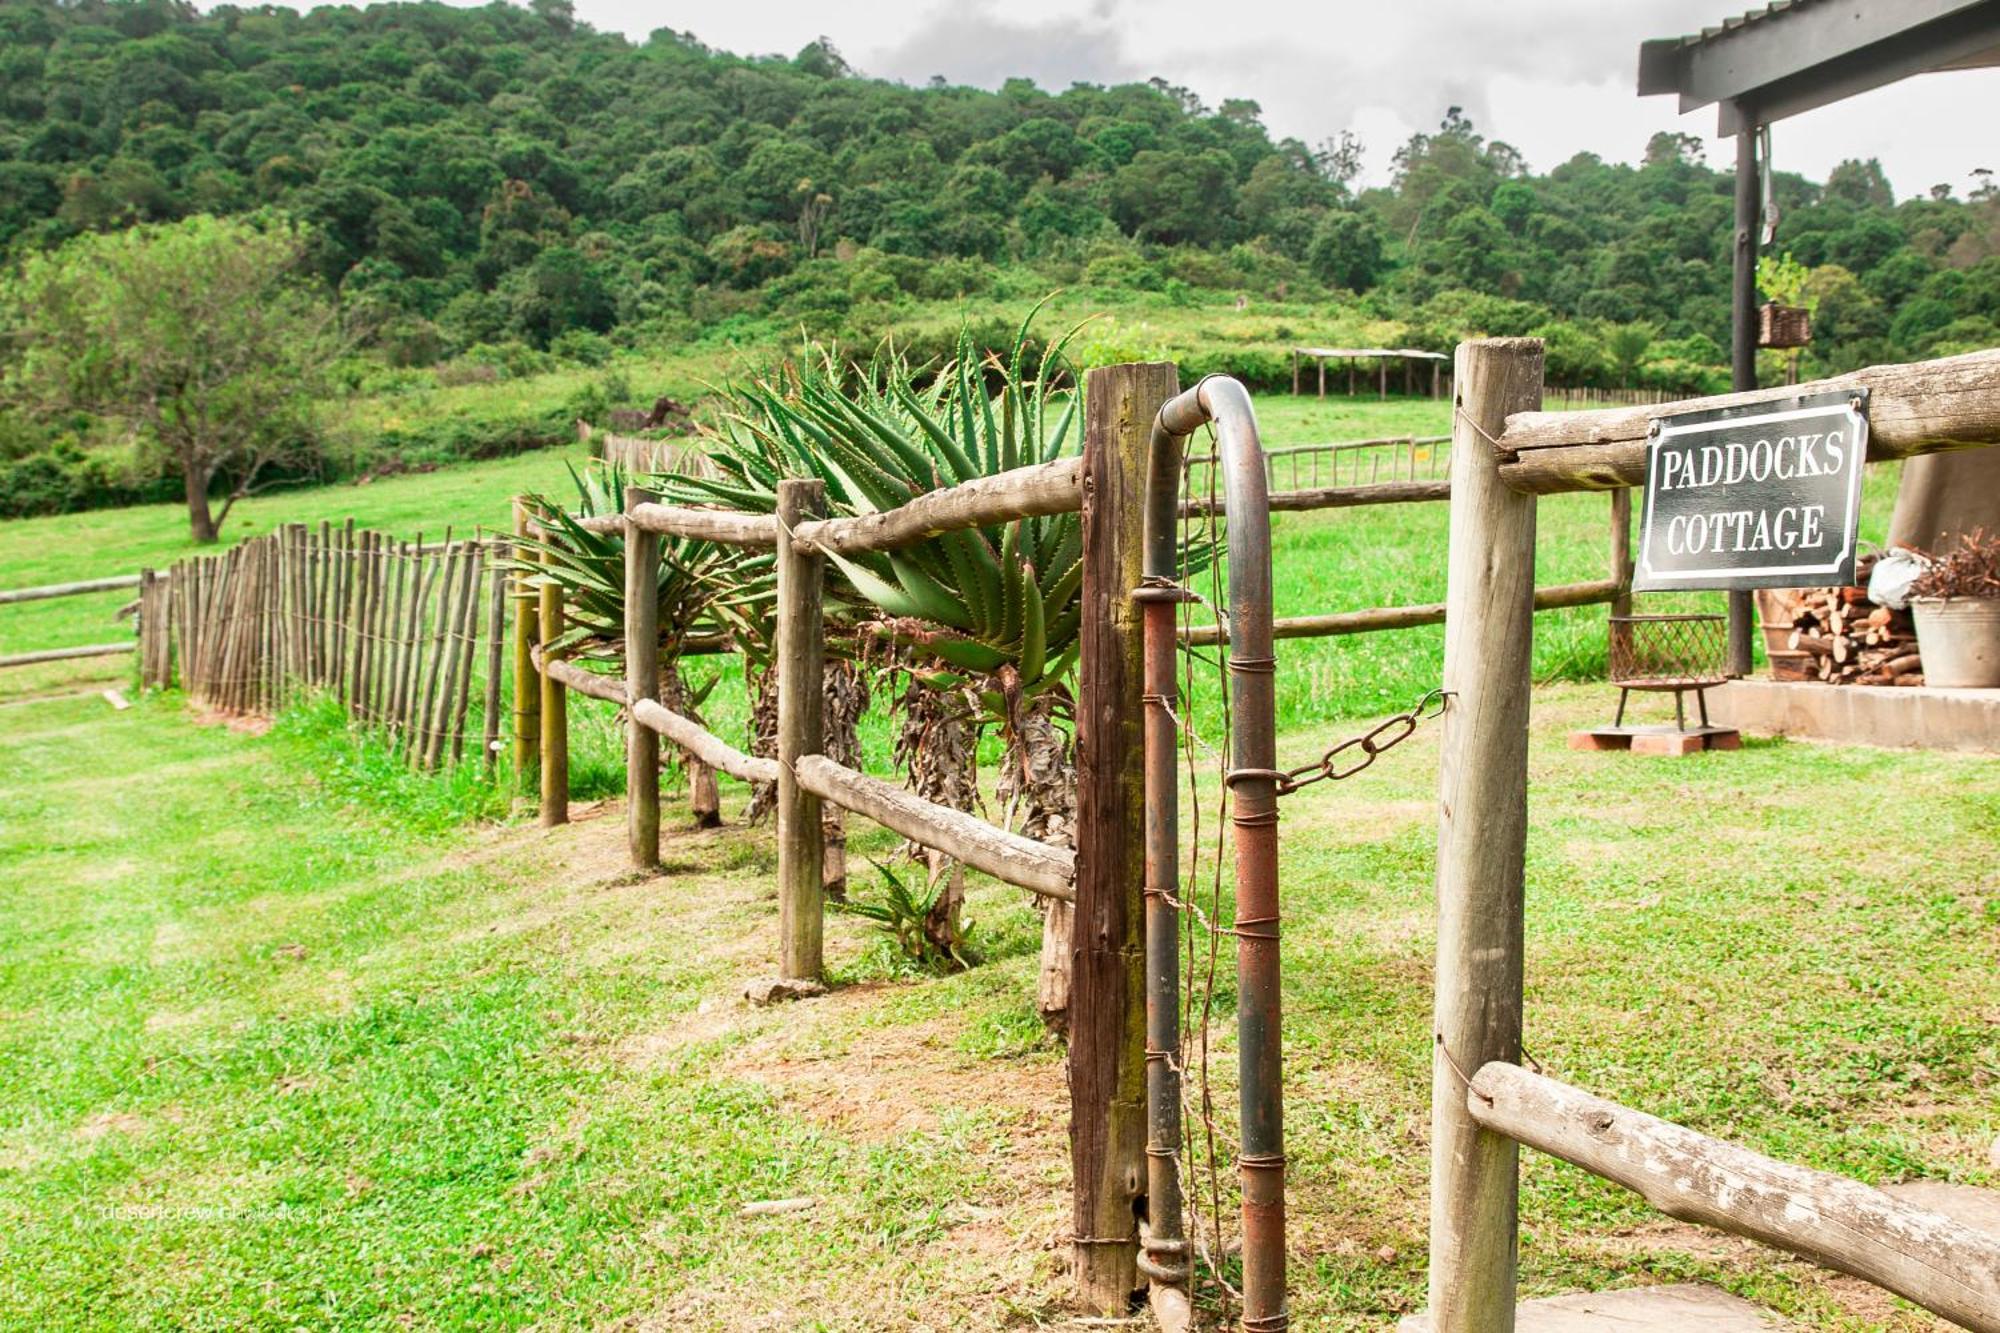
[285,1043]
[289,1038]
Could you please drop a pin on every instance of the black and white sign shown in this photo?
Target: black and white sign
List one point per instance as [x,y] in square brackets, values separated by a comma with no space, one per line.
[1761,496]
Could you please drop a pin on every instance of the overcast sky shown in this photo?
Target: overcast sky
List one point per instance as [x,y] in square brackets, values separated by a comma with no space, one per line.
[1551,77]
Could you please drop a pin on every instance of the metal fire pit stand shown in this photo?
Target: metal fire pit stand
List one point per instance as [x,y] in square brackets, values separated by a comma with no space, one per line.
[1665,653]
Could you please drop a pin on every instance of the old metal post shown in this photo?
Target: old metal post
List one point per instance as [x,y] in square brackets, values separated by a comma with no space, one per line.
[1482,837]
[1107,1052]
[801,665]
[527,633]
[642,681]
[1252,778]
[1743,338]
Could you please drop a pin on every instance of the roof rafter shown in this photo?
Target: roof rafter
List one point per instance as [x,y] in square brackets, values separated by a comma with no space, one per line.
[1795,55]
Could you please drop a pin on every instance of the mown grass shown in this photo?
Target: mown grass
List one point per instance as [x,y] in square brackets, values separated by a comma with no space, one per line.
[287,1039]
[283,1043]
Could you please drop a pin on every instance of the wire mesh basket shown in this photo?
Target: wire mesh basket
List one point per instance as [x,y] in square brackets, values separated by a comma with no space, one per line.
[1668,652]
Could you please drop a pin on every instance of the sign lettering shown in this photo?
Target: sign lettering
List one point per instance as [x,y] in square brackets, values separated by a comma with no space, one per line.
[1766,495]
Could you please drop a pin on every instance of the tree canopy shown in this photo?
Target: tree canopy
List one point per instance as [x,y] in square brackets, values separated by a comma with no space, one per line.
[508,172]
[194,336]
[504,181]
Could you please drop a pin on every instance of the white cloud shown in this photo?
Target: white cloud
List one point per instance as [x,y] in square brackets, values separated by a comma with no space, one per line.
[1551,77]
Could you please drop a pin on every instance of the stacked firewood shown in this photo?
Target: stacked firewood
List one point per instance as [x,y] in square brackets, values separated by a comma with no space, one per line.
[1837,635]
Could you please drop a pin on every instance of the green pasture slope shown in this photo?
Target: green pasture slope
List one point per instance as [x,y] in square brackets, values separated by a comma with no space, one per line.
[289,1038]
[283,1044]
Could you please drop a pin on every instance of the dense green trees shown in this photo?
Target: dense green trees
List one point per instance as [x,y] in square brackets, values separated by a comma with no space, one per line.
[505,175]
[194,336]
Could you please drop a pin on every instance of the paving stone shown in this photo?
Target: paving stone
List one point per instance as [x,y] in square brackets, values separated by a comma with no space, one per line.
[1967,1205]
[1682,1308]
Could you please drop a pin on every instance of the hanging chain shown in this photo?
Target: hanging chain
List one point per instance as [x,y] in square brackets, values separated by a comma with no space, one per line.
[1384,737]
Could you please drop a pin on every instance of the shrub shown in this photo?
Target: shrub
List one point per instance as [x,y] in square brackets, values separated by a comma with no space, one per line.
[581,347]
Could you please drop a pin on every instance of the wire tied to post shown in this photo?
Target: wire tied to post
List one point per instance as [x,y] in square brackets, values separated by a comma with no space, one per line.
[1452,1064]
[1500,451]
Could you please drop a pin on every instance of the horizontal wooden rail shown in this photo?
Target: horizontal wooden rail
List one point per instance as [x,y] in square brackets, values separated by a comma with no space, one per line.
[1924,407]
[714,525]
[578,679]
[1380,618]
[65,654]
[1340,497]
[1036,866]
[704,744]
[690,736]
[1922,1256]
[1024,492]
[76,589]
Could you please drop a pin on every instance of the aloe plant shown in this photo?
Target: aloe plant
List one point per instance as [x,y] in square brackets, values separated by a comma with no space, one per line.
[701,584]
[910,918]
[970,604]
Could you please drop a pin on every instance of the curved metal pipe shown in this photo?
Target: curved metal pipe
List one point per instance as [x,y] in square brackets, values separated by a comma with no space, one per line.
[1252,779]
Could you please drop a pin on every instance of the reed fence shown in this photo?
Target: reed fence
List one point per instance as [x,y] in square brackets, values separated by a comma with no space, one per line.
[402,633]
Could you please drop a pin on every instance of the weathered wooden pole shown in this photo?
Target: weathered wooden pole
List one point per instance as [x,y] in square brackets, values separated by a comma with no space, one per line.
[1482,838]
[642,681]
[1107,1050]
[801,666]
[1921,1255]
[1621,550]
[527,633]
[555,718]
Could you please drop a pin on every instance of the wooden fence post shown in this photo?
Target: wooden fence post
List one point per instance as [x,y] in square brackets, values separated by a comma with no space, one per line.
[1107,1051]
[801,666]
[527,633]
[1482,838]
[1621,550]
[555,719]
[642,681]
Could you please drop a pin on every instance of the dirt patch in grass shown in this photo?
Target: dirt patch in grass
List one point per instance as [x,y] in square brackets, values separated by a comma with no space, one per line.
[895,1080]
[107,1123]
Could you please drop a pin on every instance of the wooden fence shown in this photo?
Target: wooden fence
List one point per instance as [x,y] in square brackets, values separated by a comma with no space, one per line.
[1102,877]
[393,629]
[1483,1103]
[1419,472]
[82,587]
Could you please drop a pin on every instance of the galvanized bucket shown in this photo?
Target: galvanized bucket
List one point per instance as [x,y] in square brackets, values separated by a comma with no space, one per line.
[1959,638]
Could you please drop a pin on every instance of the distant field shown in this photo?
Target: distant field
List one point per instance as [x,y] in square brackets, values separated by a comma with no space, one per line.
[1340,560]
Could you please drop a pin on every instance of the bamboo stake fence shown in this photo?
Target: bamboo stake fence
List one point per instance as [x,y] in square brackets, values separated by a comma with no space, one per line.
[393,629]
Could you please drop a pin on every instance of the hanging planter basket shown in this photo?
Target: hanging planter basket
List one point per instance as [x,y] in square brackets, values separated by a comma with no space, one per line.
[1783,325]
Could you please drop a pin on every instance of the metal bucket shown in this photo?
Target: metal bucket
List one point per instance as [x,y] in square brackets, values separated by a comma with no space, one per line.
[1959,638]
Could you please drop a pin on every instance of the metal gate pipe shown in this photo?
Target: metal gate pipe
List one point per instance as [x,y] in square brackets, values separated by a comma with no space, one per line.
[1252,779]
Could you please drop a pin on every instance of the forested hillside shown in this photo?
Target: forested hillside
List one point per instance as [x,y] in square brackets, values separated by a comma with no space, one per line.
[502,183]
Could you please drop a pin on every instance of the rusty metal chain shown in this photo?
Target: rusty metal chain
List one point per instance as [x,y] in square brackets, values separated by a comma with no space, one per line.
[1370,743]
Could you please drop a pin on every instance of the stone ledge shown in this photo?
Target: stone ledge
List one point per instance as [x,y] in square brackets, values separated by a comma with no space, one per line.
[1885,715]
